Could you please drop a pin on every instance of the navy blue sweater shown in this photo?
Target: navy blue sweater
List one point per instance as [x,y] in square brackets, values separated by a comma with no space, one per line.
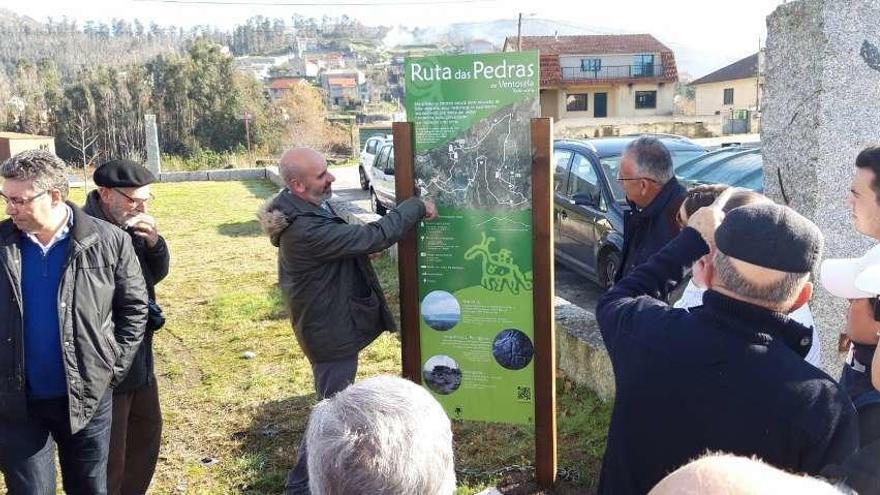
[647,230]
[40,277]
[724,377]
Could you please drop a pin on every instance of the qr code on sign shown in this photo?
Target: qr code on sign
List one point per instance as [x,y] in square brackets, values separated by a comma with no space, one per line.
[523,394]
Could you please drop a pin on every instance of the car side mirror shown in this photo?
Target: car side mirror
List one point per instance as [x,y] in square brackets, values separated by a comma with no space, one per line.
[389,171]
[586,199]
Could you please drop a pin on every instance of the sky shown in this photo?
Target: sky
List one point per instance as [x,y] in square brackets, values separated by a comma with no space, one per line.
[709,33]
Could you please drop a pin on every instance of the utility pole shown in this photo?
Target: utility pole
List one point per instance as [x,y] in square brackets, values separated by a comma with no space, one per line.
[247,129]
[519,34]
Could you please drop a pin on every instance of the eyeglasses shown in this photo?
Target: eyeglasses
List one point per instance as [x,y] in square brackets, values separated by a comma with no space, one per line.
[621,179]
[19,202]
[875,304]
[137,201]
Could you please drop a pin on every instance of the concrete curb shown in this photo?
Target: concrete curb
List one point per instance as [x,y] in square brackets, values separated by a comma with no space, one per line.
[216,175]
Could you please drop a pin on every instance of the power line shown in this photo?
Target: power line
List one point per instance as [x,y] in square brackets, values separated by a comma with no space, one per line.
[331,3]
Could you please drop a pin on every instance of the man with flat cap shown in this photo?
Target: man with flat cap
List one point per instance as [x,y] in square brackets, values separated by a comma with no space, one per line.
[729,376]
[121,199]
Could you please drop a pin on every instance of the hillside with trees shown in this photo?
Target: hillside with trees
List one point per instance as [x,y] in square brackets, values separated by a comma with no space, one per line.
[91,85]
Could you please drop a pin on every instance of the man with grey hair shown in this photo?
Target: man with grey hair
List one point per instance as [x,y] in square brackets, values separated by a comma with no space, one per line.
[75,306]
[654,196]
[384,435]
[336,305]
[728,376]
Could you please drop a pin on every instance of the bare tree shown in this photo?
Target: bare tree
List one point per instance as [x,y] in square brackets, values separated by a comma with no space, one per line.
[82,137]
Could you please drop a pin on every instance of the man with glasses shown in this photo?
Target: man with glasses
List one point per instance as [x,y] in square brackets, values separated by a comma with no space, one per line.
[654,196]
[74,306]
[122,198]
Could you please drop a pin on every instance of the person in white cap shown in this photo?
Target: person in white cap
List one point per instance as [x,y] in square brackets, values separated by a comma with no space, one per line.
[858,280]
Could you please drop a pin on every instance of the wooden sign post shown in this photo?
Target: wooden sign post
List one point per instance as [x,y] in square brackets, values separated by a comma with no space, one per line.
[542,286]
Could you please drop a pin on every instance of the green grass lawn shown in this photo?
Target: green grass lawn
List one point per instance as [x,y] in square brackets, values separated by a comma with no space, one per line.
[233,425]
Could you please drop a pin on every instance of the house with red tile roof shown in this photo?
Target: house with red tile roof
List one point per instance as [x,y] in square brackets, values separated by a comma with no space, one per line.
[279,85]
[343,87]
[602,76]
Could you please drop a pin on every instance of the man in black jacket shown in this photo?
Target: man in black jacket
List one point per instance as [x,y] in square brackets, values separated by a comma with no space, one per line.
[74,306]
[336,305]
[729,376]
[654,196]
[121,199]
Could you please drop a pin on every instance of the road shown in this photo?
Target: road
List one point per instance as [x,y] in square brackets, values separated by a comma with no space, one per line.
[570,285]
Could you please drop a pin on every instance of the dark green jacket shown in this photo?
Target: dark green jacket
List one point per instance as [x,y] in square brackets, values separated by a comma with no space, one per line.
[335,302]
[103,312]
[154,265]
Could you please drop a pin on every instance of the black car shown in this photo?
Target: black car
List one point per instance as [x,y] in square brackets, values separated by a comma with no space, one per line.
[734,166]
[589,202]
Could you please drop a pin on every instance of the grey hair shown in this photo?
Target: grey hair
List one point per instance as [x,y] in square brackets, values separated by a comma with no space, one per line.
[46,170]
[383,435]
[775,294]
[286,172]
[652,158]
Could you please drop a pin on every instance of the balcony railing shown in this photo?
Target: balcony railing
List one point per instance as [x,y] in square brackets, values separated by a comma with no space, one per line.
[613,72]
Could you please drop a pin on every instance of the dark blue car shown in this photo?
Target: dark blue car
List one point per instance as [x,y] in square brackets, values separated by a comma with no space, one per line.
[589,202]
[734,166]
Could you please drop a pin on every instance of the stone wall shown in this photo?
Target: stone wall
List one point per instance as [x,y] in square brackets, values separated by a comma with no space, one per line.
[820,108]
[690,126]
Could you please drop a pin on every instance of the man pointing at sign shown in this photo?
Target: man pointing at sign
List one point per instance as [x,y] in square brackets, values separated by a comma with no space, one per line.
[335,302]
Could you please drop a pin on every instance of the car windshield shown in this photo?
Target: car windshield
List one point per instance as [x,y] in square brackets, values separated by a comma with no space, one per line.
[733,171]
[611,164]
[753,181]
[693,168]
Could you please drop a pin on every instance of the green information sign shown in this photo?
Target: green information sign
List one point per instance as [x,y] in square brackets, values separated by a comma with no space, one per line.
[471,117]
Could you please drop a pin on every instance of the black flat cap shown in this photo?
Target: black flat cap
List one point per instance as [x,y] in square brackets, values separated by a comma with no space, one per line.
[771,236]
[123,173]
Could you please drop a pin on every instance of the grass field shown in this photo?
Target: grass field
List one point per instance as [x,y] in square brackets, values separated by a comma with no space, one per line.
[232,425]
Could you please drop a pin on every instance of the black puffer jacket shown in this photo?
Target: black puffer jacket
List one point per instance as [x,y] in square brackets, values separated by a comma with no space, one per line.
[154,265]
[102,309]
[336,304]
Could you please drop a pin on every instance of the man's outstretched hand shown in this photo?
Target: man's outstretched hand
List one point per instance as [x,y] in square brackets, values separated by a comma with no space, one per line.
[430,209]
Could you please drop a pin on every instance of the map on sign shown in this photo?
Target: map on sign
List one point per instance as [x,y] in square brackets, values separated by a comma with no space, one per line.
[488,166]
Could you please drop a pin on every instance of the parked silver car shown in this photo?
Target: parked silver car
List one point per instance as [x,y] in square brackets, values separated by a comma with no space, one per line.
[381,186]
[368,156]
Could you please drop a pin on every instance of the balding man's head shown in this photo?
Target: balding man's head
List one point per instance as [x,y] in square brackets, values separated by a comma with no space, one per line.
[305,173]
[730,475]
[295,160]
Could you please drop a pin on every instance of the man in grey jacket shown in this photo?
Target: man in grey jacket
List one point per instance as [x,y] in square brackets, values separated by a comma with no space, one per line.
[335,302]
[74,308]
[122,199]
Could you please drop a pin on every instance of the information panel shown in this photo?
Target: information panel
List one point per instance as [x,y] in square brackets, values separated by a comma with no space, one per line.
[471,116]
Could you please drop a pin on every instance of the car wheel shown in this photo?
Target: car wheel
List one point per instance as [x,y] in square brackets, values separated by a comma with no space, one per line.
[608,269]
[365,182]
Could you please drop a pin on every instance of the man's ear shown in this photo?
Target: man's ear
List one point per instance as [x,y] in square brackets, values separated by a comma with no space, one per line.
[104,193]
[294,185]
[55,194]
[803,297]
[708,268]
